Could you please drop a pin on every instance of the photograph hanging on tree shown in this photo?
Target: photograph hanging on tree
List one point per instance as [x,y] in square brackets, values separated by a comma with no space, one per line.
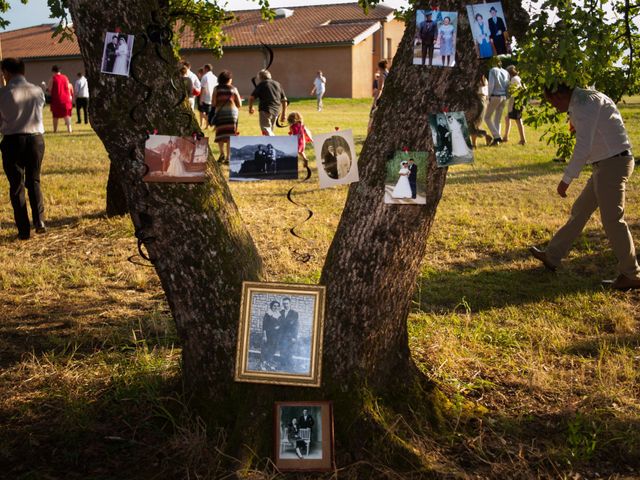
[489,29]
[116,54]
[406,180]
[303,436]
[263,158]
[435,40]
[280,334]
[336,158]
[451,139]
[176,159]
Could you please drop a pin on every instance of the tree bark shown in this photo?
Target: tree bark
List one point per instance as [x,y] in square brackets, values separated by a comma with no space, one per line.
[202,251]
[116,195]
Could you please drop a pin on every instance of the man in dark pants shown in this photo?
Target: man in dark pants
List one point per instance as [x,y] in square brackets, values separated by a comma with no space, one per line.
[428,31]
[413,178]
[22,144]
[81,92]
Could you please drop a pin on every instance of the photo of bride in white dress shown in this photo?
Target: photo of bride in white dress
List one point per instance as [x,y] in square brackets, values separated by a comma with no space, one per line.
[451,138]
[116,55]
[406,179]
[402,188]
[176,159]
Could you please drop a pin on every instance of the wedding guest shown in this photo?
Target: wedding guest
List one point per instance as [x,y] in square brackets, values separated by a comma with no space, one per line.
[226,102]
[319,87]
[196,84]
[498,88]
[61,93]
[208,83]
[483,101]
[602,142]
[22,144]
[513,113]
[272,101]
[297,128]
[383,72]
[81,91]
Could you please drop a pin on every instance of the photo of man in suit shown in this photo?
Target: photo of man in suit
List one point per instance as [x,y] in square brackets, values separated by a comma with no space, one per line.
[413,177]
[428,31]
[288,334]
[498,32]
[111,54]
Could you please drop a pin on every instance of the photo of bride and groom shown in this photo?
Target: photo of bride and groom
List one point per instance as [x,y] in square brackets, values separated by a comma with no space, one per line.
[451,138]
[406,179]
[175,159]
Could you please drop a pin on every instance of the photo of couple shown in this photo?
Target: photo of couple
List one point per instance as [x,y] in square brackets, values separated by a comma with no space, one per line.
[489,29]
[175,159]
[263,158]
[435,39]
[337,155]
[406,179]
[116,55]
[451,138]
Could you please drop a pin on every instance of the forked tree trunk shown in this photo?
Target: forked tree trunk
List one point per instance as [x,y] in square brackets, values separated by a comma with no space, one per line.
[202,252]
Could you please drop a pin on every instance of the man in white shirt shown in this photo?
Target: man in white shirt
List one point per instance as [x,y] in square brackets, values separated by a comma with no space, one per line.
[195,81]
[208,82]
[319,87]
[81,92]
[22,144]
[601,141]
[498,89]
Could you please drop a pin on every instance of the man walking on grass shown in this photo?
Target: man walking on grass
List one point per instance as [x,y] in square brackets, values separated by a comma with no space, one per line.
[602,142]
[22,144]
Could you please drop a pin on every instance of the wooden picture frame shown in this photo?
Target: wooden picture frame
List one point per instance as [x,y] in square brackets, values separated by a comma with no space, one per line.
[280,334]
[308,446]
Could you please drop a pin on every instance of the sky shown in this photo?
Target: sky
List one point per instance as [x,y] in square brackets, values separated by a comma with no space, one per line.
[36,12]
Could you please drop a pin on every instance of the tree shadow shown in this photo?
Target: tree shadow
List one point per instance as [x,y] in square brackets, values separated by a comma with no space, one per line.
[503,174]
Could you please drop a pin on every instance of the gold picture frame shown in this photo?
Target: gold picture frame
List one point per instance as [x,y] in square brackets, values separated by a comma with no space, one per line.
[280,334]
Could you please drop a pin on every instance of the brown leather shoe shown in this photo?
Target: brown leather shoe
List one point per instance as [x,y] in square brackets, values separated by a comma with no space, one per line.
[542,256]
[622,283]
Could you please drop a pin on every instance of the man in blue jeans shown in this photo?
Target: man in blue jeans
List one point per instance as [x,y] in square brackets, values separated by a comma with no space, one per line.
[22,144]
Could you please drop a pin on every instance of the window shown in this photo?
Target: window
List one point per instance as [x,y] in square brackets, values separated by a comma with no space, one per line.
[389,49]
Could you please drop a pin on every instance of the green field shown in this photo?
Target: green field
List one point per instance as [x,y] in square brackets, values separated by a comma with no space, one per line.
[541,369]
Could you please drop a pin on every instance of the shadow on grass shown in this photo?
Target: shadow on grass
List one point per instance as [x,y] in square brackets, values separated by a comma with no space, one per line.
[504,174]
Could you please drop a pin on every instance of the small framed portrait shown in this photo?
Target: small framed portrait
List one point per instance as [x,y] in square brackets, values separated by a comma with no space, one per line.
[280,334]
[451,138]
[489,29]
[303,436]
[406,180]
[336,158]
[176,159]
[263,158]
[435,40]
[116,55]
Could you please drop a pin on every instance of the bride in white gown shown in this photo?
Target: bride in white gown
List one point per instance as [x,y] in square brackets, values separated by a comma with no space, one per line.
[122,58]
[402,188]
[176,168]
[459,147]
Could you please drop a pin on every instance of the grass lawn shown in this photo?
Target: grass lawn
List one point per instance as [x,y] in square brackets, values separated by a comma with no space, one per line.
[541,369]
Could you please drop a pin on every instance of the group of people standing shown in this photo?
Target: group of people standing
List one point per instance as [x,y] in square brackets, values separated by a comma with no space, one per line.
[62,95]
[279,334]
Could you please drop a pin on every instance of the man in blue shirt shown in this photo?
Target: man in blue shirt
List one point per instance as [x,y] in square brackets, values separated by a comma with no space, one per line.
[498,88]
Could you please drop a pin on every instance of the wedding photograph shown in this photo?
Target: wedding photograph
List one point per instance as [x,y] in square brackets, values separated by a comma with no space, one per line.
[263,158]
[489,29]
[303,436]
[451,139]
[116,54]
[280,337]
[435,40]
[175,159]
[336,158]
[406,180]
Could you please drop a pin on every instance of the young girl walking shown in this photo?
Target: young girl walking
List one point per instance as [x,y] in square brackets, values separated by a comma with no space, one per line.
[296,127]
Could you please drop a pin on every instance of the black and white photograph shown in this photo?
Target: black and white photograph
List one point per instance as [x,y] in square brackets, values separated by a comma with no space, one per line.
[451,138]
[406,180]
[280,334]
[116,55]
[336,158]
[489,29]
[304,436]
[263,158]
[176,159]
[435,40]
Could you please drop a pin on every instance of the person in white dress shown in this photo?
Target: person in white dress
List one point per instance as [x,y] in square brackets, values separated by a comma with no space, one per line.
[176,167]
[402,188]
[344,162]
[122,58]
[459,147]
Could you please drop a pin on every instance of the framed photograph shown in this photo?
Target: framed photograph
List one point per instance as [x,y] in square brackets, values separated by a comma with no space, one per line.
[303,436]
[435,40]
[176,159]
[489,29]
[336,158]
[451,138]
[116,55]
[406,180]
[263,158]
[280,334]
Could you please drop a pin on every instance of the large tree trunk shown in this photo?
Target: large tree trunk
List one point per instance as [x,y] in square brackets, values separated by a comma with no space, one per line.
[116,195]
[202,252]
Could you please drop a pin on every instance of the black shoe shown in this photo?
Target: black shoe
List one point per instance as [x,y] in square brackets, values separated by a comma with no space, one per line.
[496,141]
[542,256]
[41,228]
[623,283]
[23,236]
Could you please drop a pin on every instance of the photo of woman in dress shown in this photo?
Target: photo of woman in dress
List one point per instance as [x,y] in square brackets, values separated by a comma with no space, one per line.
[489,29]
[402,188]
[447,37]
[482,36]
[406,179]
[116,55]
[175,159]
[451,139]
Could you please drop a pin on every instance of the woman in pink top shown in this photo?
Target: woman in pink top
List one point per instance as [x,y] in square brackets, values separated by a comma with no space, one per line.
[297,128]
[61,92]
